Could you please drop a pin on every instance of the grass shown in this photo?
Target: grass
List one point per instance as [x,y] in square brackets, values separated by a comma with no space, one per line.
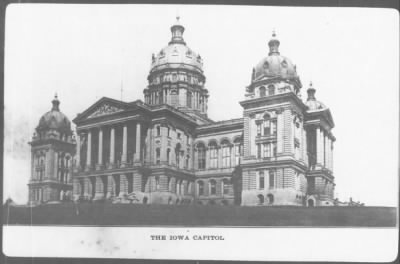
[198,215]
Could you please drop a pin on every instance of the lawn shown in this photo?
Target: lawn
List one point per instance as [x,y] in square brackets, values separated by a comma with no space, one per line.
[198,215]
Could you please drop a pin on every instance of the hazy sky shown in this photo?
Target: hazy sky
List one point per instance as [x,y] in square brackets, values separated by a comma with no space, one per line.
[85,52]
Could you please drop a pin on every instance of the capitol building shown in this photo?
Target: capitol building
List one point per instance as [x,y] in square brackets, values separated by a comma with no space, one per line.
[167,149]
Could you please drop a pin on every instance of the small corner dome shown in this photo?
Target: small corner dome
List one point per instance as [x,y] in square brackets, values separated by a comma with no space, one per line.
[275,65]
[54,119]
[312,103]
[177,54]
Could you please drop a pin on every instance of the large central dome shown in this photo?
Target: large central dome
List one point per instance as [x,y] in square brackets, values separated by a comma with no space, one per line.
[177,54]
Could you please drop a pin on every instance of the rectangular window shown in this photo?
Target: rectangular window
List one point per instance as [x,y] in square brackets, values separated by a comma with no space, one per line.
[261,182]
[169,132]
[258,151]
[267,128]
[179,135]
[271,179]
[258,129]
[158,156]
[266,150]
[158,130]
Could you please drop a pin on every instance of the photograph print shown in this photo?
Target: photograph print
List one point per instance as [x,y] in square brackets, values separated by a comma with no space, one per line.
[199,117]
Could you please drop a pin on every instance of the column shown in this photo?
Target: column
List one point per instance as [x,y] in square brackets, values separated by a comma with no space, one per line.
[279,137]
[331,148]
[100,156]
[207,157]
[124,145]
[99,189]
[55,171]
[112,147]
[320,146]
[138,138]
[87,188]
[219,149]
[123,185]
[89,151]
[78,152]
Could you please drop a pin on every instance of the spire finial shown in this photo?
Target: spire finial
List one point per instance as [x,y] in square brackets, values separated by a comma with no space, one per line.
[273,33]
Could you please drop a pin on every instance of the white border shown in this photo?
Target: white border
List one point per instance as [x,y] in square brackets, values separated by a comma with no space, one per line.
[252,244]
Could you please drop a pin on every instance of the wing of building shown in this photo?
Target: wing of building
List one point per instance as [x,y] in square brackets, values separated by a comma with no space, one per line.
[166,150]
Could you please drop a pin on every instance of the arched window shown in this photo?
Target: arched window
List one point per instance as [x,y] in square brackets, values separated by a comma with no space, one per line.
[261,180]
[270,199]
[213,155]
[189,99]
[225,186]
[260,199]
[201,156]
[267,125]
[200,186]
[271,89]
[226,154]
[262,91]
[213,187]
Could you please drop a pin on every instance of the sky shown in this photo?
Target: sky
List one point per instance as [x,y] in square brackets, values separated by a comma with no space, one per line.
[85,52]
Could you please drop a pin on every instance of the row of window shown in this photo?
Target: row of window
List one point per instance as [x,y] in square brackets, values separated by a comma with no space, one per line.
[178,157]
[169,133]
[266,150]
[212,187]
[265,178]
[263,90]
[174,77]
[226,154]
[266,127]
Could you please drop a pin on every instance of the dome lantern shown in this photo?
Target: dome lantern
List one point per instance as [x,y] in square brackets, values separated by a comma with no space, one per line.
[311,93]
[56,104]
[177,32]
[273,45]
[312,102]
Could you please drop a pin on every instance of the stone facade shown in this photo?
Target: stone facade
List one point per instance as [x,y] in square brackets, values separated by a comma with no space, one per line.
[167,150]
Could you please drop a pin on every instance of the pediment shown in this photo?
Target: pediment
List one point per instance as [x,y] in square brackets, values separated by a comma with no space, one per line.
[105,109]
